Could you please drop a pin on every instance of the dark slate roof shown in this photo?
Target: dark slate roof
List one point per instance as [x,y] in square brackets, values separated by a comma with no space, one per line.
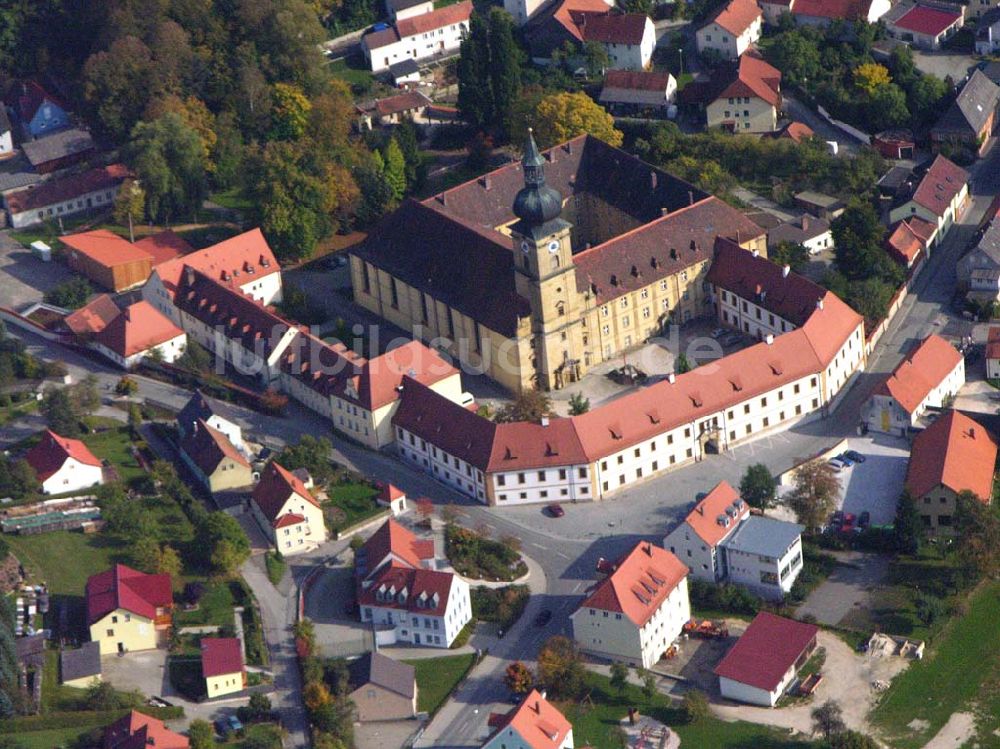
[378,669]
[990,69]
[404,67]
[16,173]
[80,663]
[972,107]
[201,406]
[57,146]
[990,241]
[398,5]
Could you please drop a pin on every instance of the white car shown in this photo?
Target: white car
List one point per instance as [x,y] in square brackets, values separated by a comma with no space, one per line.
[836,464]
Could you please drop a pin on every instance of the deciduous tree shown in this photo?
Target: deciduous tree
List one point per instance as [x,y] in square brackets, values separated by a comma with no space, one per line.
[528,405]
[828,719]
[757,487]
[695,706]
[619,677]
[560,667]
[565,115]
[518,678]
[814,495]
[169,159]
[290,112]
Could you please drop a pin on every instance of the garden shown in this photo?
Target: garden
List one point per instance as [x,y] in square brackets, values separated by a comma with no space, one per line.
[438,677]
[474,555]
[501,606]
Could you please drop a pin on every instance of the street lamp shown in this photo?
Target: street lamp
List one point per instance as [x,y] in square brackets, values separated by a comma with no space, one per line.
[680,54]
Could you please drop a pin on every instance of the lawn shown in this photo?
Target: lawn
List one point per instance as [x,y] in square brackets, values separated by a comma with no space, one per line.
[54,738]
[349,504]
[65,559]
[438,677]
[275,567]
[215,607]
[114,445]
[962,668]
[17,410]
[352,70]
[234,199]
[593,725]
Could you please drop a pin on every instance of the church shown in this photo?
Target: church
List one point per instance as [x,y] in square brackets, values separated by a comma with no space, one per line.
[540,270]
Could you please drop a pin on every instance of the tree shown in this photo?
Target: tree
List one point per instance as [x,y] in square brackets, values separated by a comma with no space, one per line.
[60,413]
[857,236]
[682,364]
[694,705]
[528,405]
[223,544]
[145,553]
[505,69]
[425,508]
[560,667]
[134,416]
[126,386]
[814,495]
[102,697]
[978,525]
[648,683]
[475,97]
[828,719]
[260,706]
[311,453]
[395,169]
[565,115]
[792,254]
[596,58]
[201,734]
[870,76]
[123,516]
[908,528]
[169,160]
[619,677]
[289,112]
[852,740]
[518,678]
[17,478]
[116,86]
[71,294]
[578,404]
[169,562]
[929,608]
[489,73]
[757,487]
[130,203]
[315,695]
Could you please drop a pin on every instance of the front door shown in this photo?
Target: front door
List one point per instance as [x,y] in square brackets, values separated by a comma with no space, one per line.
[121,648]
[416,638]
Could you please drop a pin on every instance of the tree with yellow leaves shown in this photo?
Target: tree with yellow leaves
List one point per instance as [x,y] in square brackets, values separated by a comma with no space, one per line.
[871,76]
[562,116]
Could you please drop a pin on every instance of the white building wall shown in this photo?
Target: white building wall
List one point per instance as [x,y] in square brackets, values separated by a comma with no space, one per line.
[418,627]
[416,10]
[569,483]
[633,56]
[170,351]
[436,42]
[768,577]
[508,738]
[6,142]
[714,37]
[740,692]
[445,467]
[71,477]
[78,204]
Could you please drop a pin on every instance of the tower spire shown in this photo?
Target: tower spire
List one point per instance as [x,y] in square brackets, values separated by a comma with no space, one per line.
[536,203]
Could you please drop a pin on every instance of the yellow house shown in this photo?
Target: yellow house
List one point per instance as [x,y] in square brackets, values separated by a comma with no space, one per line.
[749,100]
[222,666]
[127,609]
[289,515]
[214,460]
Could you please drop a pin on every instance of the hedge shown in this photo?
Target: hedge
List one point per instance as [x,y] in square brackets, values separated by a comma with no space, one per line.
[83,719]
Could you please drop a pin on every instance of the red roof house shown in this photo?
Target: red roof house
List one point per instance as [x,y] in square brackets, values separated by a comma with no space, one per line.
[139,731]
[222,665]
[535,724]
[392,543]
[764,661]
[954,454]
[92,317]
[123,588]
[287,512]
[138,329]
[63,464]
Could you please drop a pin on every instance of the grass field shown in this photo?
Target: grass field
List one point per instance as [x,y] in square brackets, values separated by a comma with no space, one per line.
[593,726]
[349,504]
[65,559]
[351,70]
[275,568]
[114,446]
[234,199]
[961,670]
[438,677]
[54,738]
[215,607]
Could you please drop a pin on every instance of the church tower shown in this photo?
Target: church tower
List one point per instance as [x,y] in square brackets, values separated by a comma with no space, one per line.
[543,261]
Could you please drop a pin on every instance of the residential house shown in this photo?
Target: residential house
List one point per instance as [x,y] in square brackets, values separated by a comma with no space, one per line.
[812,233]
[213,459]
[940,197]
[696,540]
[92,317]
[628,38]
[221,416]
[824,12]
[971,119]
[955,454]
[928,377]
[382,688]
[37,111]
[139,731]
[747,97]
[421,37]
[988,32]
[794,131]
[765,660]
[393,109]
[534,724]
[6,135]
[773,10]
[222,666]
[908,241]
[114,263]
[820,205]
[732,30]
[64,465]
[391,496]
[631,92]
[80,667]
[59,150]
[288,514]
[398,10]
[895,144]
[993,353]
[924,24]
[401,597]
[67,196]
[404,73]
[127,609]
[137,332]
[637,611]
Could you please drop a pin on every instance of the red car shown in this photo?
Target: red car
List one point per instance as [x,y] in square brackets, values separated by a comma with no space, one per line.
[556,510]
[848,525]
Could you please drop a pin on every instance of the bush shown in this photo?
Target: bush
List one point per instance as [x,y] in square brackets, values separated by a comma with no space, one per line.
[462,638]
[474,555]
[728,598]
[503,606]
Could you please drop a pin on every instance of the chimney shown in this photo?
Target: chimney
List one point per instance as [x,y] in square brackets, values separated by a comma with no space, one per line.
[785,270]
[545,421]
[671,378]
[972,432]
[648,548]
[538,706]
[441,199]
[805,221]
[664,211]
[652,180]
[769,339]
[487,184]
[690,197]
[819,303]
[701,509]
[194,427]
[190,274]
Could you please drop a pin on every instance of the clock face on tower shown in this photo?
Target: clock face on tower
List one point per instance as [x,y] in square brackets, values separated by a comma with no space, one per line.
[525,247]
[553,247]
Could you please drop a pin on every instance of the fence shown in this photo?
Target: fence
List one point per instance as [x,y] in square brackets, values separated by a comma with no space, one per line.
[898,298]
[788,477]
[20,321]
[852,131]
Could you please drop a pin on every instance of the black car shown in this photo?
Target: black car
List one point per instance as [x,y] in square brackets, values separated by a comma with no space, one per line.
[864,519]
[543,618]
[854,456]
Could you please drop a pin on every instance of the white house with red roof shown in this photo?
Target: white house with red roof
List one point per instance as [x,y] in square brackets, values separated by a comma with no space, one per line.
[63,464]
[287,512]
[401,594]
[214,460]
[127,609]
[140,331]
[140,731]
[940,197]
[222,666]
[94,189]
[391,496]
[534,724]
[696,541]
[732,30]
[825,12]
[925,24]
[747,99]
[422,37]
[637,91]
[638,611]
[927,377]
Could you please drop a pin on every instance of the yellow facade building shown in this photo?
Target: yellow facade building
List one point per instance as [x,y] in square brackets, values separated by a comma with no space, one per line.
[127,609]
[222,666]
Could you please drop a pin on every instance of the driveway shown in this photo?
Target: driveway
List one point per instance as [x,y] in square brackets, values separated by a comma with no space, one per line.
[850,586]
[798,111]
[875,485]
[944,64]
[24,278]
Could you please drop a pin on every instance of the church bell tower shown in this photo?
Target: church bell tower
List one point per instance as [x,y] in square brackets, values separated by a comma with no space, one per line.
[543,261]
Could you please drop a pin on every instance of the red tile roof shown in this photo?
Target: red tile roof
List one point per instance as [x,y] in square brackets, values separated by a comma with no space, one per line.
[904,244]
[220,656]
[381,376]
[420,584]
[94,316]
[568,13]
[754,77]
[767,649]
[537,722]
[139,731]
[796,131]
[614,28]
[844,10]
[637,80]
[643,579]
[401,103]
[388,492]
[703,519]
[208,447]
[164,246]
[920,372]
[926,20]
[289,519]
[241,259]
[138,328]
[943,181]
[956,452]
[425,22]
[274,489]
[737,16]
[109,249]
[122,587]
[49,455]
[67,188]
[393,541]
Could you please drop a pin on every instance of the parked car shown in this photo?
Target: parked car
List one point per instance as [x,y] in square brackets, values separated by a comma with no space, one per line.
[845,460]
[222,727]
[718,333]
[836,464]
[234,723]
[855,456]
[543,618]
[556,510]
[847,526]
[864,519]
[837,519]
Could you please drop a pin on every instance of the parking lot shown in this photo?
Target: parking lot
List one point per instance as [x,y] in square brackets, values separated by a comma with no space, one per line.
[23,277]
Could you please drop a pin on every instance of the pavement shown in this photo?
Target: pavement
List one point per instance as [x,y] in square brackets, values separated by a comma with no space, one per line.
[944,64]
[848,587]
[796,110]
[24,278]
